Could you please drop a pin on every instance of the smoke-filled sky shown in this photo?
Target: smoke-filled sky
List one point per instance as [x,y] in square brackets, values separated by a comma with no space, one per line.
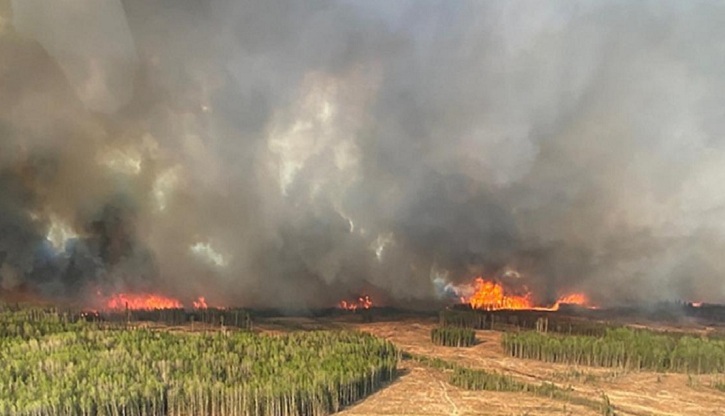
[290,153]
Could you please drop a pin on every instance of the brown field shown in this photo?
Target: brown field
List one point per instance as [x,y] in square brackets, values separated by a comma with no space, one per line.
[424,391]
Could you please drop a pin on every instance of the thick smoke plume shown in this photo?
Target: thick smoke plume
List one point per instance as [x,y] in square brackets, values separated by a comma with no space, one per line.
[290,153]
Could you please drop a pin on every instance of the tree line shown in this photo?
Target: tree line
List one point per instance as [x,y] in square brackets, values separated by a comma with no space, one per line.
[622,348]
[541,321]
[453,337]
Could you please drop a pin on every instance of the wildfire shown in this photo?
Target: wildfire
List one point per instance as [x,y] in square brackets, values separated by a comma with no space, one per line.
[572,299]
[362,302]
[141,301]
[200,303]
[148,301]
[491,296]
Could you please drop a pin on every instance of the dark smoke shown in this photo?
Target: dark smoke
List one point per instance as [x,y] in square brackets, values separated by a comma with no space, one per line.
[294,153]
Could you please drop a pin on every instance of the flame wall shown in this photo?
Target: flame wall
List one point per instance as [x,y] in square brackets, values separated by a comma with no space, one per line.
[293,153]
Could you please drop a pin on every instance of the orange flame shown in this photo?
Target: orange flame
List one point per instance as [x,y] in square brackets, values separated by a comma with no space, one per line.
[148,301]
[200,303]
[141,301]
[491,296]
[572,299]
[362,302]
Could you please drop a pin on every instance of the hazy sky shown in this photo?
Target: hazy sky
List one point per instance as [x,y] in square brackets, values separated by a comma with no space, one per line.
[295,152]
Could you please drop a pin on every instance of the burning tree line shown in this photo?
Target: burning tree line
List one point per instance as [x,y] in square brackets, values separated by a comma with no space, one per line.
[50,365]
[492,295]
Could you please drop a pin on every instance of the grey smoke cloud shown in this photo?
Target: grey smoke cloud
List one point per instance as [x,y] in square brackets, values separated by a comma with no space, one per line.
[91,42]
[292,153]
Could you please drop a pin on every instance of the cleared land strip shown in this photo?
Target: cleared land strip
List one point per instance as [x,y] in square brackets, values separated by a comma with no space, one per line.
[631,393]
[418,393]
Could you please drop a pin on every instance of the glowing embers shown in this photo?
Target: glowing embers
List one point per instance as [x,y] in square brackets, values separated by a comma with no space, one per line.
[490,295]
[147,301]
[141,301]
[362,302]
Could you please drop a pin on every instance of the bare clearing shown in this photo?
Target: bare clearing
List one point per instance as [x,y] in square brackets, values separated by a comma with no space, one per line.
[424,391]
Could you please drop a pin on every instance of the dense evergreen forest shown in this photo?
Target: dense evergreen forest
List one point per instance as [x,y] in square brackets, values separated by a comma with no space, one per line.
[53,365]
[622,348]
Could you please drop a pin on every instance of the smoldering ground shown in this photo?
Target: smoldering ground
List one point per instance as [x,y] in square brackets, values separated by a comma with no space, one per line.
[292,153]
